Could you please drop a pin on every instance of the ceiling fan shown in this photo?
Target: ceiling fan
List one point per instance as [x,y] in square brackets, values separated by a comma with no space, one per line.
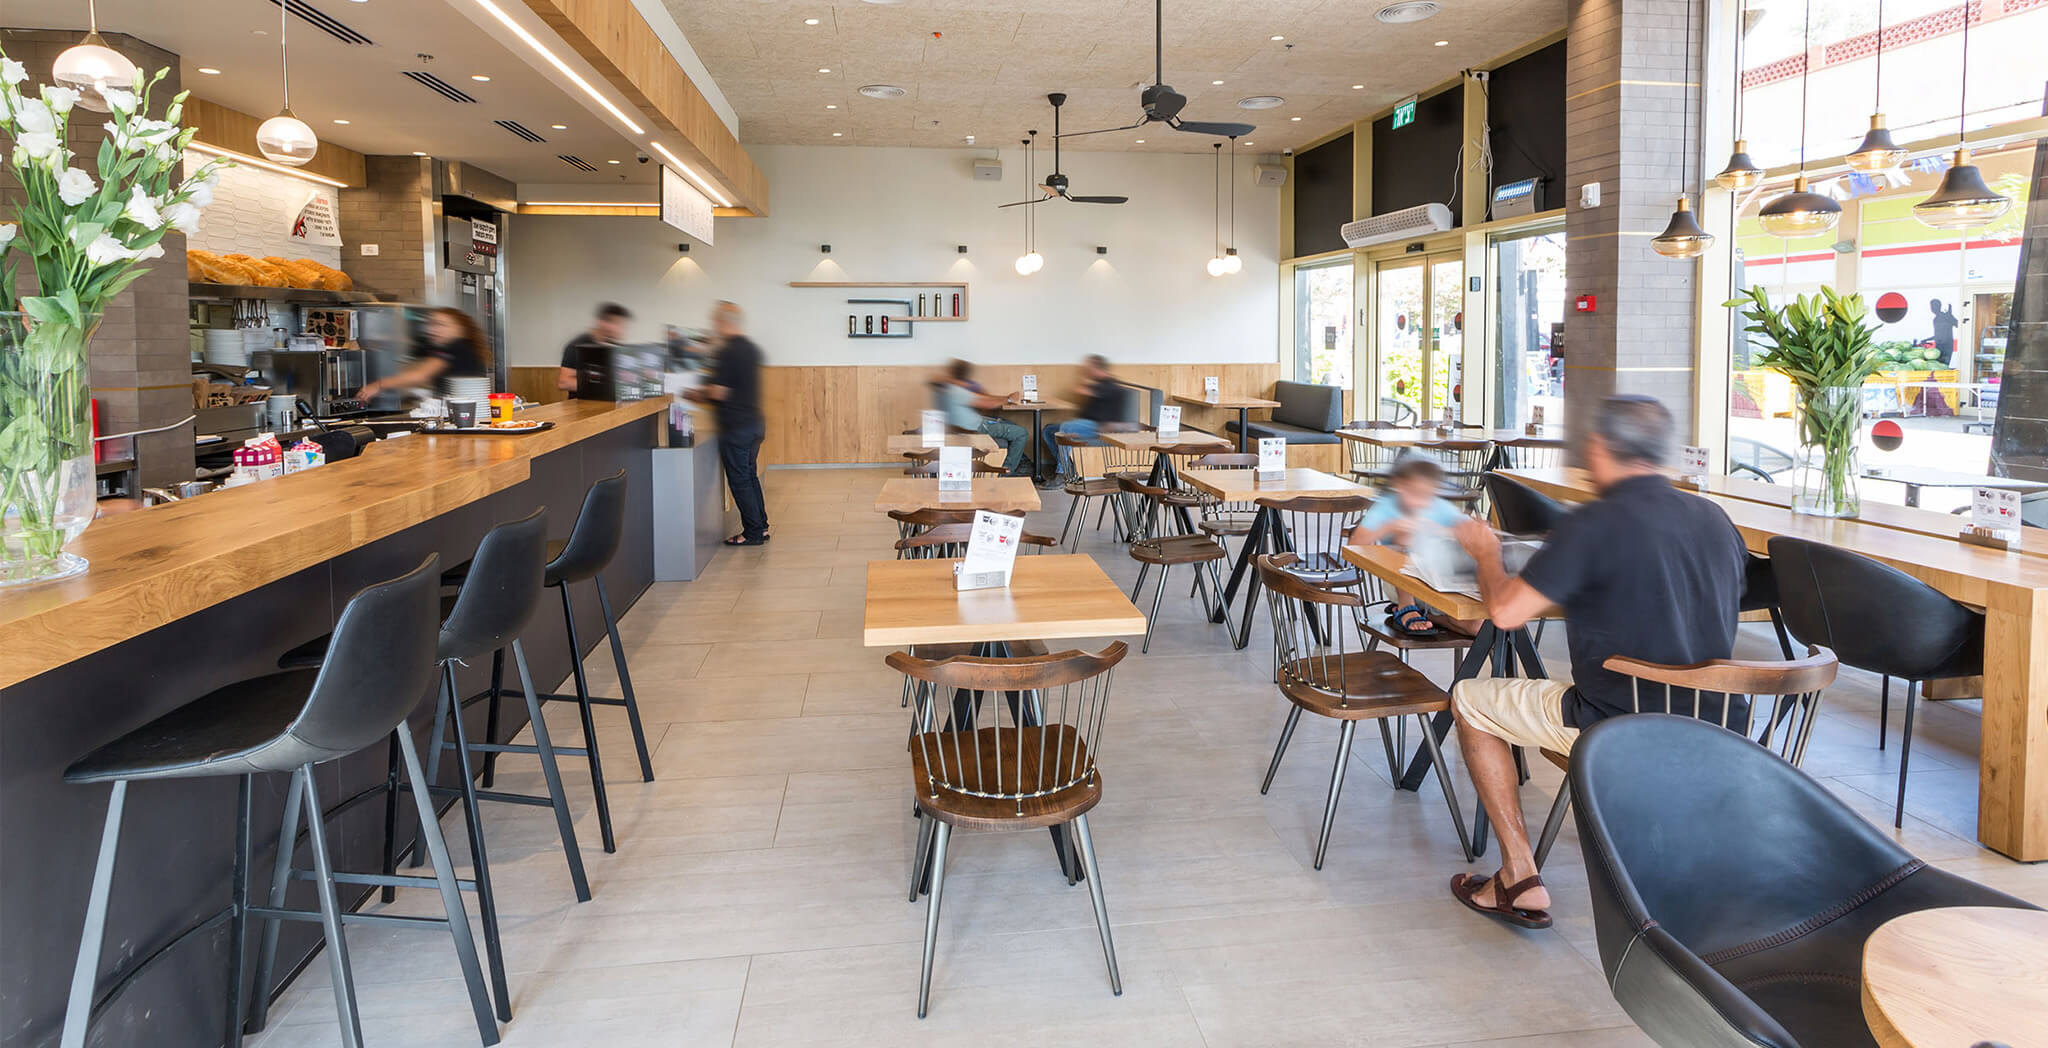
[1055,184]
[1162,103]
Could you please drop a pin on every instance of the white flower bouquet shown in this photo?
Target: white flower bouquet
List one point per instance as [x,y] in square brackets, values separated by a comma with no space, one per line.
[87,234]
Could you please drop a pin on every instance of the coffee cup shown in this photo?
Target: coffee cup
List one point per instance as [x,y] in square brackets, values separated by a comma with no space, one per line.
[463,413]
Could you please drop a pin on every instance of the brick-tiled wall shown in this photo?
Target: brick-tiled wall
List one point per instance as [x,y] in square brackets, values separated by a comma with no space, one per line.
[252,213]
[141,357]
[387,212]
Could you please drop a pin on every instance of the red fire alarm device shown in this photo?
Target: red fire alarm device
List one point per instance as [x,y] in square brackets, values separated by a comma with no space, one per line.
[1587,304]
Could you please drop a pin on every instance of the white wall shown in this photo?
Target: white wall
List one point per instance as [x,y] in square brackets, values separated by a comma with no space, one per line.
[897,214]
[252,213]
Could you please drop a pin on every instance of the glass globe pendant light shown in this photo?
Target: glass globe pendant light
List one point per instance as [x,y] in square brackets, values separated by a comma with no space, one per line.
[1878,152]
[1030,261]
[1741,172]
[1683,237]
[91,67]
[1216,266]
[1232,263]
[1962,201]
[1801,212]
[284,138]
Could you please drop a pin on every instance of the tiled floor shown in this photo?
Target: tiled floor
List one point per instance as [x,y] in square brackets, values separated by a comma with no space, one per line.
[758,894]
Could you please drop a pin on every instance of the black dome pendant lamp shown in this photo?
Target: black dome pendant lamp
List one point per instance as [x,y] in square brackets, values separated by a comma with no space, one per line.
[1801,212]
[1878,152]
[1683,237]
[1741,172]
[1963,201]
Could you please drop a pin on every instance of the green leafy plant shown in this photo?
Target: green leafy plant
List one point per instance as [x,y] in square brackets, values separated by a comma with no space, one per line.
[1823,344]
[86,236]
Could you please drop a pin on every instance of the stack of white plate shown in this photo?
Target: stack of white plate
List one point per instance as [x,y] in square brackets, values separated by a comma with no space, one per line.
[476,388]
[226,346]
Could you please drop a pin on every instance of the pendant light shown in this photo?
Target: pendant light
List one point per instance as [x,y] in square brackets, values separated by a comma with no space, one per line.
[1878,152]
[1962,201]
[1030,261]
[1741,172]
[1683,237]
[91,67]
[1217,267]
[284,138]
[1801,212]
[1232,263]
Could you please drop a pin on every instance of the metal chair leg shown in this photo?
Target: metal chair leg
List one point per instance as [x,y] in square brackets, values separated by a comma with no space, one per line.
[926,827]
[611,627]
[85,970]
[1336,788]
[280,876]
[330,915]
[552,773]
[931,914]
[1436,759]
[1139,586]
[1286,733]
[1165,572]
[1905,754]
[1554,823]
[1073,506]
[1387,740]
[604,808]
[1884,709]
[451,893]
[479,858]
[1116,982]
[238,903]
[390,863]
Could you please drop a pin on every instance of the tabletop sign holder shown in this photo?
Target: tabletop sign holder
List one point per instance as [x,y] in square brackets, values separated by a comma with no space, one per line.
[1272,458]
[956,469]
[1169,422]
[1535,426]
[933,429]
[1994,519]
[1211,388]
[1028,392]
[991,552]
[1692,465]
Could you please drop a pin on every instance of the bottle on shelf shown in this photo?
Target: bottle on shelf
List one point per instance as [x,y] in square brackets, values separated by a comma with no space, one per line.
[870,324]
[852,324]
[956,303]
[885,324]
[920,305]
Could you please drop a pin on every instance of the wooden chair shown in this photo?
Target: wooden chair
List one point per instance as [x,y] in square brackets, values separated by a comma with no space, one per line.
[1314,529]
[1039,771]
[1221,518]
[911,522]
[950,540]
[1370,463]
[1151,548]
[1085,479]
[931,468]
[1331,679]
[1464,463]
[1794,686]
[1529,453]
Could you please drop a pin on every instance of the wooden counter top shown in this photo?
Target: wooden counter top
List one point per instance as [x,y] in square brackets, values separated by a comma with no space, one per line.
[155,565]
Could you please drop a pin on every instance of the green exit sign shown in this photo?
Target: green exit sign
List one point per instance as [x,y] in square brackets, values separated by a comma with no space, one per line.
[1404,113]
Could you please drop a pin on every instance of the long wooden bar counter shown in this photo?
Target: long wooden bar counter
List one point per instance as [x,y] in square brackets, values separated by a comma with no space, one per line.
[186,598]
[2011,588]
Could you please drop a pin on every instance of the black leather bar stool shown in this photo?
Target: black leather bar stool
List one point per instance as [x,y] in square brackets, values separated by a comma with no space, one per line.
[595,539]
[382,662]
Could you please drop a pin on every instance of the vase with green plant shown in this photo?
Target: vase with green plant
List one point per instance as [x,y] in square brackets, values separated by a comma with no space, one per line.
[86,235]
[1823,344]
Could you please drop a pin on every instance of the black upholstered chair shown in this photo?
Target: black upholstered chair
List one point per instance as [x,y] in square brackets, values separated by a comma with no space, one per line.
[1519,509]
[1876,618]
[1732,894]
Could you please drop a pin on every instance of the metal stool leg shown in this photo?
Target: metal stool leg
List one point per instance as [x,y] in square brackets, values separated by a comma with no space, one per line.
[238,901]
[604,808]
[330,916]
[439,737]
[390,863]
[611,626]
[1884,709]
[451,893]
[931,914]
[491,717]
[552,773]
[1286,733]
[280,876]
[479,858]
[1336,788]
[85,971]
[1116,982]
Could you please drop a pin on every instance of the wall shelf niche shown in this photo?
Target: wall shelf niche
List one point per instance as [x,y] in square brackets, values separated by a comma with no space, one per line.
[946,285]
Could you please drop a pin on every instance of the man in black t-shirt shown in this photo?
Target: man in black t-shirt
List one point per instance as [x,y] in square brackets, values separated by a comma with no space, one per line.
[607,330]
[1646,571]
[1103,399]
[735,389]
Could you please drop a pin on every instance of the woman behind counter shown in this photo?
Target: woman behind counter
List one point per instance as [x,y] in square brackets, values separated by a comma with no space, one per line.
[456,348]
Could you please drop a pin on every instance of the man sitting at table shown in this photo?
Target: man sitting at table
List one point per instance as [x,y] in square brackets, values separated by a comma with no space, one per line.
[963,402]
[1102,398]
[1646,571]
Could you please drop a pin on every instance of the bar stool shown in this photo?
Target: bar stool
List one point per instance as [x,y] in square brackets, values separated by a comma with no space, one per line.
[382,661]
[592,543]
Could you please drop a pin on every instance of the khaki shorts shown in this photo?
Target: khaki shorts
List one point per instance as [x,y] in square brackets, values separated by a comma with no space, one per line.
[1522,711]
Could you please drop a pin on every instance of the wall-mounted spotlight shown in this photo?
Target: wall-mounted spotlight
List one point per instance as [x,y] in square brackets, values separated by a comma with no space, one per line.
[684,248]
[1101,250]
[962,249]
[824,249]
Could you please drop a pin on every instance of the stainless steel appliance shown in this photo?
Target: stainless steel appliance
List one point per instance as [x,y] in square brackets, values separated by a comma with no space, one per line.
[326,379]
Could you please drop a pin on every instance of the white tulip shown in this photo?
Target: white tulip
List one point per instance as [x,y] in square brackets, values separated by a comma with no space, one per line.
[144,255]
[106,251]
[74,187]
[33,118]
[142,210]
[12,71]
[118,100]
[182,217]
[202,193]
[36,145]
[59,99]
[7,231]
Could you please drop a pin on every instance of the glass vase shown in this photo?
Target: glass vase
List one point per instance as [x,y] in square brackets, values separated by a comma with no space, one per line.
[47,485]
[1824,470]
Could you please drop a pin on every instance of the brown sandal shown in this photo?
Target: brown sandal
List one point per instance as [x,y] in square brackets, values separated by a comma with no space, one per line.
[1464,886]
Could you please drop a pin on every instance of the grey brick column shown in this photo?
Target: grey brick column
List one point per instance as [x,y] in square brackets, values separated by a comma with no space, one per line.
[1628,79]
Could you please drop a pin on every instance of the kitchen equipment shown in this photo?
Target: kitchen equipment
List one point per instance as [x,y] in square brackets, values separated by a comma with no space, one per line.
[326,379]
[280,413]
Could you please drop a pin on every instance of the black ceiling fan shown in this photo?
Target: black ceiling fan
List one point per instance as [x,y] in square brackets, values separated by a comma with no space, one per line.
[1162,103]
[1055,184]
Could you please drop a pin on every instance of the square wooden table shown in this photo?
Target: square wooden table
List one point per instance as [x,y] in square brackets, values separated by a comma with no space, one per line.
[1242,405]
[1148,440]
[1265,535]
[1050,597]
[1038,408]
[995,494]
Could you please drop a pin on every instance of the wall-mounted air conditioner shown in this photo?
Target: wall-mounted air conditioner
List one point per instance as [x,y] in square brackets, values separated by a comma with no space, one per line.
[1397,225]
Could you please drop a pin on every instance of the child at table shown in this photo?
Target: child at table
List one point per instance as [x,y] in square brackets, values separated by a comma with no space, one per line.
[1413,501]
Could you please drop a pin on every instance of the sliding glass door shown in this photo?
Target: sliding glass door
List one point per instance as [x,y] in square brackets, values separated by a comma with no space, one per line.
[1418,325]
[1322,323]
[1528,317]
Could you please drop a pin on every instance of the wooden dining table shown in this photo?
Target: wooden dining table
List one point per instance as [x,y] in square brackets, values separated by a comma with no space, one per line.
[2009,586]
[995,494]
[1242,405]
[1955,976]
[1267,533]
[1551,437]
[1038,408]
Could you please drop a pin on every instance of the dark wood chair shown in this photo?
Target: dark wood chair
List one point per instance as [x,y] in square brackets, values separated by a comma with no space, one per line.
[1370,463]
[1221,518]
[930,468]
[911,522]
[1085,478]
[1038,771]
[950,540]
[1151,547]
[1529,453]
[1722,692]
[1330,678]
[1464,463]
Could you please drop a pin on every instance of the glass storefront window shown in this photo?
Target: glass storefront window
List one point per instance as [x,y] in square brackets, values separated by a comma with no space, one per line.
[1398,324]
[1528,310]
[1322,323]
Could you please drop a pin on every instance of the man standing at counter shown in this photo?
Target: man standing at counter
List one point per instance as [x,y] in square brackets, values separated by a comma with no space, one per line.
[608,330]
[735,388]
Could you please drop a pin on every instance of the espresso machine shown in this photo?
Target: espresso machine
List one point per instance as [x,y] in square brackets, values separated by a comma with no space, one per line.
[325,378]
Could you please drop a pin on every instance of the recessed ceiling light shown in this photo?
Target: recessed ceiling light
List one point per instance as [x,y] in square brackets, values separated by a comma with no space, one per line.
[480,78]
[338,120]
[559,127]
[883,3]
[418,153]
[823,69]
[1141,141]
[831,107]
[1216,83]
[883,90]
[835,134]
[1276,36]
[1261,102]
[810,21]
[1247,143]
[209,70]
[1296,119]
[1357,87]
[611,161]
[1408,11]
[1443,43]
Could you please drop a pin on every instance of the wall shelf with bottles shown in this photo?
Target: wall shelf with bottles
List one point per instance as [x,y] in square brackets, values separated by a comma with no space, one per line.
[876,325]
[940,309]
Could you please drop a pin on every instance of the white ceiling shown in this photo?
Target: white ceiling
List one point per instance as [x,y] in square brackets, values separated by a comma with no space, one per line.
[387,113]
[988,70]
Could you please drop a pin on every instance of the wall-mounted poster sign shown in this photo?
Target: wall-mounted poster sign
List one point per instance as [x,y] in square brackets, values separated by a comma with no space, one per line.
[683,207]
[314,223]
